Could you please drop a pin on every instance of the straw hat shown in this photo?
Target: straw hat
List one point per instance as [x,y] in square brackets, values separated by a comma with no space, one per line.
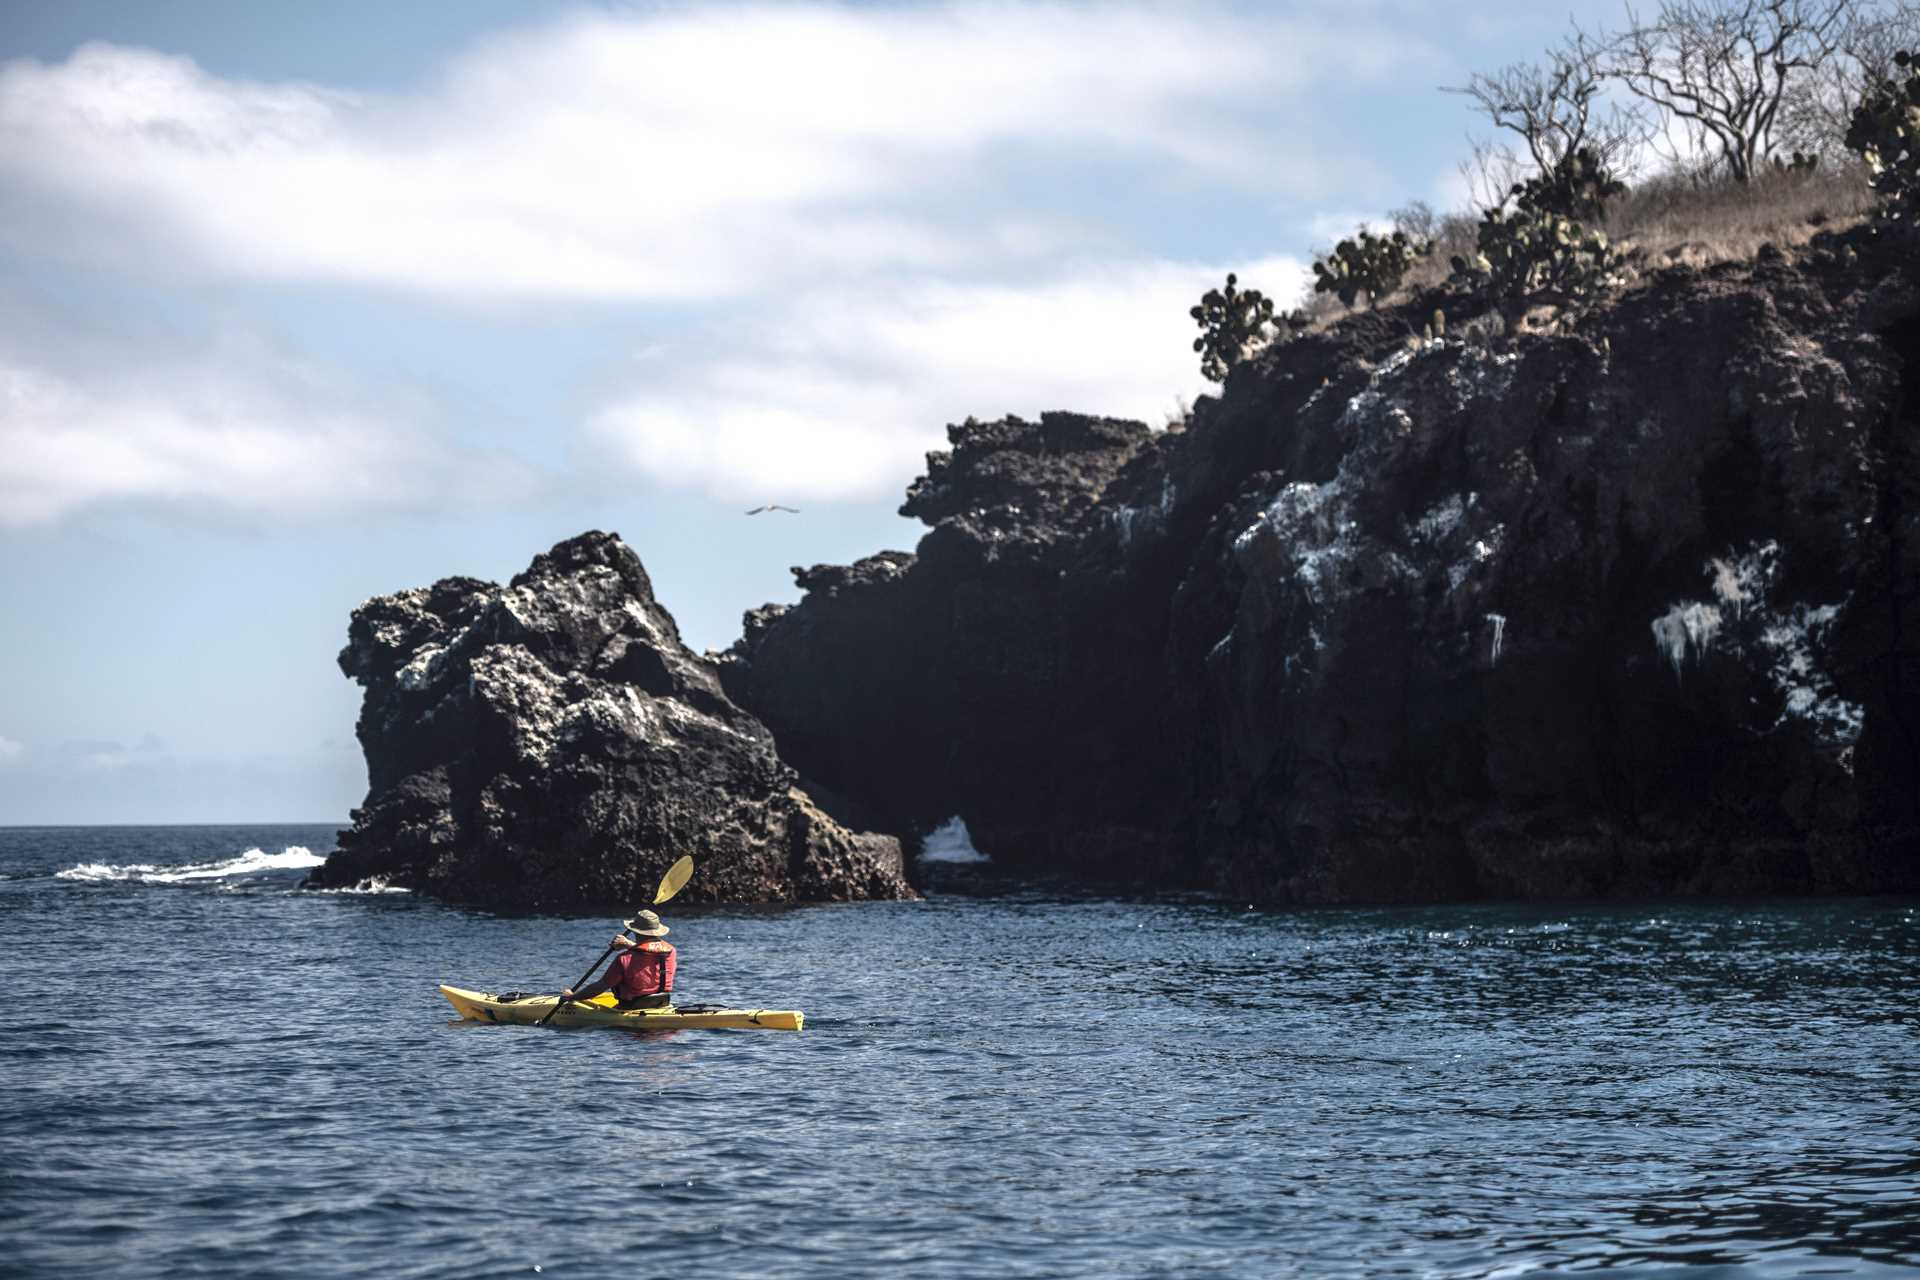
[647,925]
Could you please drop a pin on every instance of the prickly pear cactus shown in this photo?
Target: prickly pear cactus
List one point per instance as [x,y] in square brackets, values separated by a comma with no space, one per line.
[1233,325]
[1369,264]
[1527,254]
[1546,245]
[1885,131]
[1577,188]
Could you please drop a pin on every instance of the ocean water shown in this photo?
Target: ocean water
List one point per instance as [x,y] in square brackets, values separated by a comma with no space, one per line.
[204,1072]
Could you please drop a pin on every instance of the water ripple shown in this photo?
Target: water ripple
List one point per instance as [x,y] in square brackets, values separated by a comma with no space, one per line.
[1022,1084]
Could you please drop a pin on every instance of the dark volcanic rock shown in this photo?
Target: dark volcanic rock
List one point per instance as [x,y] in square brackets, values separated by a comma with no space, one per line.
[988,674]
[1630,610]
[552,743]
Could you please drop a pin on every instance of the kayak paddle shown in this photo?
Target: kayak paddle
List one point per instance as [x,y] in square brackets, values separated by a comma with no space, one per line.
[673,882]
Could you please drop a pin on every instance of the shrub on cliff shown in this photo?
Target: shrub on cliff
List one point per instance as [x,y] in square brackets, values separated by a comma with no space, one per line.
[1522,256]
[1545,246]
[1369,264]
[1886,133]
[1233,325]
[1578,186]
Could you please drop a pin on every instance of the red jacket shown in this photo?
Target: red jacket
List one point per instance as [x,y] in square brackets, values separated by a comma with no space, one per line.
[645,970]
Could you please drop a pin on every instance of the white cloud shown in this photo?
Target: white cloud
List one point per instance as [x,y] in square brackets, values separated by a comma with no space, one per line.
[228,424]
[1328,229]
[10,751]
[881,217]
[675,153]
[838,393]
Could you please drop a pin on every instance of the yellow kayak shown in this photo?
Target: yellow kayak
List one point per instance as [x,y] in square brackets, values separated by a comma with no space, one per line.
[484,1006]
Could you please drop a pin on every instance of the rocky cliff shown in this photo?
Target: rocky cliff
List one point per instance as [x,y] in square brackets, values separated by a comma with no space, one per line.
[1627,607]
[552,743]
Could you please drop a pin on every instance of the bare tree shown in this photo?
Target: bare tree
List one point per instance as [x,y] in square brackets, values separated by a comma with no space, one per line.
[1491,169]
[1415,220]
[1723,68]
[1558,107]
[1815,115]
[1875,33]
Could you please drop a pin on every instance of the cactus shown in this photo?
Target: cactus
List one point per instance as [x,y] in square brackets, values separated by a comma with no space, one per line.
[1233,324]
[1369,264]
[1521,255]
[1577,188]
[1885,131]
[1545,245]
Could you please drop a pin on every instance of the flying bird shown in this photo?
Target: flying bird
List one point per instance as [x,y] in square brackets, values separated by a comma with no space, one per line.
[774,506]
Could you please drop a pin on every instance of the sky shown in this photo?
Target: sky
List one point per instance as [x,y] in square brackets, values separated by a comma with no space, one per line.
[301,304]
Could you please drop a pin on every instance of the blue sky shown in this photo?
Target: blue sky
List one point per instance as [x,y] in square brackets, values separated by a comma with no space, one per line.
[304,303]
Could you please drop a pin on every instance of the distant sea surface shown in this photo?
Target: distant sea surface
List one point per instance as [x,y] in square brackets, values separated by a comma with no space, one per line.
[206,1073]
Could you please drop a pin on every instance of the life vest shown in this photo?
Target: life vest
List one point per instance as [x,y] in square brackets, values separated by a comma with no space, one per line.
[645,970]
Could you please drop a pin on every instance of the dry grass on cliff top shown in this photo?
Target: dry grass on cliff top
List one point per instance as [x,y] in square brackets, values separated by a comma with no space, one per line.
[1676,219]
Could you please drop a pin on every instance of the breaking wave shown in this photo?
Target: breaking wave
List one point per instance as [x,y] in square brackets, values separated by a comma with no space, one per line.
[951,842]
[254,861]
[372,884]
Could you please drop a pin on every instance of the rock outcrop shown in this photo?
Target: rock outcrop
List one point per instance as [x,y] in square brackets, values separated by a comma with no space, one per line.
[552,743]
[958,679]
[1630,608]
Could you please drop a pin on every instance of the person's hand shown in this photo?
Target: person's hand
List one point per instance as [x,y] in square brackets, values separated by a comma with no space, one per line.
[567,994]
[622,940]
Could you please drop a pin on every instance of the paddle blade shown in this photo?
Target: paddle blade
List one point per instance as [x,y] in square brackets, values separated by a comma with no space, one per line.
[675,880]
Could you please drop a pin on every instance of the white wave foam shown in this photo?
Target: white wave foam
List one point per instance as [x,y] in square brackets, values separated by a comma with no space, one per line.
[951,842]
[101,871]
[372,884]
[252,862]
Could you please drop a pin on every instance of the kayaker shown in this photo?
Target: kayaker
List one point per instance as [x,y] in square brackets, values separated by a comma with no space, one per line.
[641,976]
